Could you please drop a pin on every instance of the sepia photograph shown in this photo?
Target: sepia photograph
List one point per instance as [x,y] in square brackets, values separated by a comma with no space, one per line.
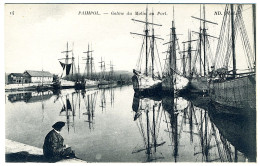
[130,82]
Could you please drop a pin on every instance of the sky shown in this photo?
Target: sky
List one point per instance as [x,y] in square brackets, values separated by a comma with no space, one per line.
[36,34]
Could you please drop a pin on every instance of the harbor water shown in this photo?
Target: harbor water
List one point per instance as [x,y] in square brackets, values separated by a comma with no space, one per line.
[115,125]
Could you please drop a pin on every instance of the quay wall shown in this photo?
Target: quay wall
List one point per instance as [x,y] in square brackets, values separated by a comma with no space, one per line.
[19,152]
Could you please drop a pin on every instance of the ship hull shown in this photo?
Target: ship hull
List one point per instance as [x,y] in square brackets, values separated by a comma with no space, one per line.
[198,85]
[63,84]
[146,85]
[103,84]
[107,84]
[237,92]
[87,84]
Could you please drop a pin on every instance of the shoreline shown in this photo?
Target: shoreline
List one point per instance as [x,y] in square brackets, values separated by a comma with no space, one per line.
[46,87]
[16,152]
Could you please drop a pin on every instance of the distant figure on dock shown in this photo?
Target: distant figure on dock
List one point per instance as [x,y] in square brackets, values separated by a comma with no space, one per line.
[53,148]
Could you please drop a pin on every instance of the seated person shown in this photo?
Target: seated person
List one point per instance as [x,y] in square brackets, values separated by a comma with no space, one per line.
[53,148]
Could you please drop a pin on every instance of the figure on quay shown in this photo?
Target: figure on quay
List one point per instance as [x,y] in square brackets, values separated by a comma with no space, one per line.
[53,148]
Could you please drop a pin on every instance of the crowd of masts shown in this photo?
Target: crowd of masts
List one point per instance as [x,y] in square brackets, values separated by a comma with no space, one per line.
[72,72]
[200,59]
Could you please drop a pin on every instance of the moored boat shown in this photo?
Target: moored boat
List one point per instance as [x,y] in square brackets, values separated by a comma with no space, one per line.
[173,81]
[147,80]
[232,86]
[66,79]
[200,64]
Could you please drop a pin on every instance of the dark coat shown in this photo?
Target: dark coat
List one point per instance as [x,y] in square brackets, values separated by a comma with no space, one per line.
[53,147]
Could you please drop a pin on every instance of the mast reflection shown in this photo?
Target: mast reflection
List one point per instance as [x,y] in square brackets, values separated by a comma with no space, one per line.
[90,105]
[148,116]
[214,137]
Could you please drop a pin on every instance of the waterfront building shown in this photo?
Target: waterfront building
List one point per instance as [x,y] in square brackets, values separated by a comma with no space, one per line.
[38,76]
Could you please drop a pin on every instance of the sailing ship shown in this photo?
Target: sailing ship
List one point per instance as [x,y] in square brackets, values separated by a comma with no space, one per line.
[89,76]
[147,81]
[68,69]
[120,81]
[106,81]
[173,81]
[111,77]
[103,83]
[232,86]
[198,78]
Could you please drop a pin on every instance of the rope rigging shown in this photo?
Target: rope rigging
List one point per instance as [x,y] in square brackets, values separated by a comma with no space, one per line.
[224,47]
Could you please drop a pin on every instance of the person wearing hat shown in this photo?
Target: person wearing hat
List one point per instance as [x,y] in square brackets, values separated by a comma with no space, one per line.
[53,147]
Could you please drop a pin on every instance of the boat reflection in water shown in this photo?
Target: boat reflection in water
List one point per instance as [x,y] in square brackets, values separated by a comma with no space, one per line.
[30,97]
[90,105]
[113,124]
[71,102]
[212,136]
[148,118]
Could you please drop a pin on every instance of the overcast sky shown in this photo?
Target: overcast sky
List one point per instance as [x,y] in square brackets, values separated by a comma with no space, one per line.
[36,34]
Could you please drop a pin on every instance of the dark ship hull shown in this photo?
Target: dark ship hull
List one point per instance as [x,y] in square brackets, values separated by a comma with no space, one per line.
[236,92]
[198,85]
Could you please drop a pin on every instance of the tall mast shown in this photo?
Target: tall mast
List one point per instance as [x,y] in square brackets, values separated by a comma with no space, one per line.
[204,40]
[183,61]
[146,43]
[42,76]
[88,62]
[91,64]
[189,52]
[152,47]
[200,43]
[101,68]
[202,33]
[173,43]
[72,58]
[254,30]
[104,69]
[233,41]
[78,66]
[174,47]
[152,53]
[67,54]
[66,58]
[146,38]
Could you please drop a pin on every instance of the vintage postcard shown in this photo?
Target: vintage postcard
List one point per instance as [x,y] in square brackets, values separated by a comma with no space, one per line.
[130,82]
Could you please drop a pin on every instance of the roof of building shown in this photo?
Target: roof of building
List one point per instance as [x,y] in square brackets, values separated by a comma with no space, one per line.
[33,73]
[17,74]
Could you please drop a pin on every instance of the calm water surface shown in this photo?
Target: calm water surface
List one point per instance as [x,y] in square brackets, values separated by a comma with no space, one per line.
[113,125]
